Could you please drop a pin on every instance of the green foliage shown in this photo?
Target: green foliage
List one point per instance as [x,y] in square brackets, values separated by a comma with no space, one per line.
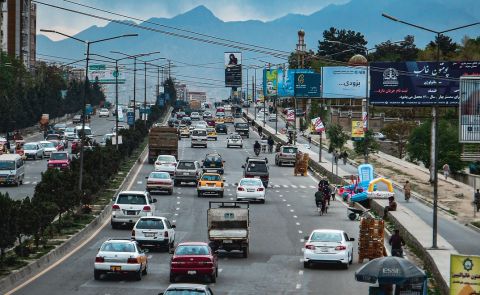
[169,86]
[336,137]
[366,146]
[356,41]
[399,132]
[388,51]
[7,224]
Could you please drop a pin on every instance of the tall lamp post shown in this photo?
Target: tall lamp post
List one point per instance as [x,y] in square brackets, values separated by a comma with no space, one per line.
[145,63]
[87,43]
[433,141]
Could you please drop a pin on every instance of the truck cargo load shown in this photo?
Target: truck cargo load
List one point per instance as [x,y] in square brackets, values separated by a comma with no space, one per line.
[162,141]
[195,105]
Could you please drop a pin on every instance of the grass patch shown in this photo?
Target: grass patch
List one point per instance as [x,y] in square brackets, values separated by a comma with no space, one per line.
[476,223]
[452,212]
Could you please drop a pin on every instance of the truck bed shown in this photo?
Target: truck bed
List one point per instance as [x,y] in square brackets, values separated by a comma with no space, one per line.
[228,233]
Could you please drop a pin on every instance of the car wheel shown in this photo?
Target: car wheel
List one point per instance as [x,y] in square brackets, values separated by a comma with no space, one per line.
[114,225]
[145,270]
[176,183]
[213,278]
[306,264]
[351,259]
[199,194]
[96,274]
[172,278]
[245,252]
[170,192]
[138,275]
[228,146]
[221,194]
[262,201]
[35,157]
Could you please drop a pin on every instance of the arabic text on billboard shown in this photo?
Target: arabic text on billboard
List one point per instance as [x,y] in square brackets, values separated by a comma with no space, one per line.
[286,79]
[104,75]
[307,85]
[233,69]
[464,274]
[270,82]
[344,82]
[469,109]
[415,83]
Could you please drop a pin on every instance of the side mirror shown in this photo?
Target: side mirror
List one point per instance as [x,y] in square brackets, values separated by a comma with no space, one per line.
[161,293]
[235,184]
[154,200]
[174,226]
[352,239]
[224,180]
[146,177]
[243,166]
[145,250]
[306,238]
[113,199]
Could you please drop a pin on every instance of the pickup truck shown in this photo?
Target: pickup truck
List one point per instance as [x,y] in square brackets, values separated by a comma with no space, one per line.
[242,129]
[228,226]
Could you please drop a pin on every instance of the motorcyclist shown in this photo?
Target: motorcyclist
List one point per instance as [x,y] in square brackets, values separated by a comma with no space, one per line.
[321,201]
[271,142]
[397,242]
[256,147]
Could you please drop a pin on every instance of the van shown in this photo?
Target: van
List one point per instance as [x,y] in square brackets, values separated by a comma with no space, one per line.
[88,131]
[12,169]
[199,137]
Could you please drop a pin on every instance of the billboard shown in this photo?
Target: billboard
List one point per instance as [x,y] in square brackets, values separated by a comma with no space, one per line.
[233,69]
[307,85]
[357,130]
[344,82]
[464,274]
[415,83]
[469,110]
[286,79]
[104,75]
[270,82]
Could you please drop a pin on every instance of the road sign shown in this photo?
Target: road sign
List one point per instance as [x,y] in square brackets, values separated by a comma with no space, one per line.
[130,118]
[97,67]
[318,124]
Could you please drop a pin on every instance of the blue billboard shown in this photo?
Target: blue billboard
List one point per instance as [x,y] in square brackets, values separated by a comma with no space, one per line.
[344,82]
[286,79]
[307,85]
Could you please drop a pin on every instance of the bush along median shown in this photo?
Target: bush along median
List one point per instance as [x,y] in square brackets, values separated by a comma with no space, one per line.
[34,226]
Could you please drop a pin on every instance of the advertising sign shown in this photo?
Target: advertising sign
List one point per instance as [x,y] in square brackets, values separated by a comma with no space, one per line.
[464,274]
[318,125]
[286,79]
[270,82]
[233,69]
[357,130]
[120,113]
[307,85]
[469,109]
[344,82]
[415,83]
[130,118]
[290,116]
[103,75]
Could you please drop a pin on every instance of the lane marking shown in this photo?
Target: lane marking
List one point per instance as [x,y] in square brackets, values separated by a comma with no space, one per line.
[288,205]
[300,232]
[300,272]
[302,186]
[295,216]
[298,286]
[302,240]
[291,210]
[294,186]
[285,186]
[297,223]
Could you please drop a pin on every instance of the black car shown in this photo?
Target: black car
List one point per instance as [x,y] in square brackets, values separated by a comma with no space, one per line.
[213,163]
[256,167]
[242,129]
[221,128]
[172,122]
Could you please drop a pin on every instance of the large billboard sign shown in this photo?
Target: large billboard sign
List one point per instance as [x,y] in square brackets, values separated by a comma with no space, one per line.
[286,80]
[415,83]
[104,75]
[469,110]
[344,82]
[233,69]
[270,82]
[307,85]
[464,274]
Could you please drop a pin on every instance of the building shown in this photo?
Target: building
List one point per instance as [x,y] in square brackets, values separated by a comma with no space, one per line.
[19,30]
[181,91]
[197,95]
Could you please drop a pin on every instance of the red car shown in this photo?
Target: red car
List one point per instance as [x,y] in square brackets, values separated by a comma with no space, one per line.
[211,123]
[194,259]
[59,160]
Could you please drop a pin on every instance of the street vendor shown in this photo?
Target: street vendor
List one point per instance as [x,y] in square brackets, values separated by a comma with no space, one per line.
[392,206]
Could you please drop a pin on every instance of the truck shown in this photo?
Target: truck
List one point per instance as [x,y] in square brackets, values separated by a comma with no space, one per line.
[44,122]
[228,226]
[242,129]
[162,140]
[195,105]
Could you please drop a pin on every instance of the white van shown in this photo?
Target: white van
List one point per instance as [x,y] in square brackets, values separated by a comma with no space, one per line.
[198,137]
[88,131]
[12,169]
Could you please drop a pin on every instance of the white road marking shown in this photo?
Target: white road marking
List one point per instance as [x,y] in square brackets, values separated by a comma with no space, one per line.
[173,221]
[277,191]
[312,186]
[276,186]
[300,272]
[178,197]
[220,270]
[280,196]
[284,200]
[26,182]
[300,232]
[295,216]
[285,186]
[291,210]
[302,240]
[178,203]
[298,223]
[288,205]
[294,186]
[34,183]
[302,186]
[298,286]
[231,199]
[177,208]
[176,214]
[139,182]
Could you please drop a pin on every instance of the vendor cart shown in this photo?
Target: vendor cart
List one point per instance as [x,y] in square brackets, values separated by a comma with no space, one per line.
[301,164]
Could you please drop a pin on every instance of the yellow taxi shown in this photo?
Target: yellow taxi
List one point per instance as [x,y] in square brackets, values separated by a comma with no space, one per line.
[184,131]
[219,120]
[229,119]
[210,184]
[211,133]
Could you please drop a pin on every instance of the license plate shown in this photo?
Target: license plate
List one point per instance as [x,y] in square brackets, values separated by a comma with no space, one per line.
[323,249]
[250,190]
[192,272]
[212,165]
[257,177]
[115,268]
[211,185]
[185,173]
[227,241]
[149,235]
[131,213]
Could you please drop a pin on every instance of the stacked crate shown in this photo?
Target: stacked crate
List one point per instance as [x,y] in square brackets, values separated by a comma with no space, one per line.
[301,164]
[371,239]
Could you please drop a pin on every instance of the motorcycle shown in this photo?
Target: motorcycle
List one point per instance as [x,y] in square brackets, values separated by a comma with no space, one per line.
[256,151]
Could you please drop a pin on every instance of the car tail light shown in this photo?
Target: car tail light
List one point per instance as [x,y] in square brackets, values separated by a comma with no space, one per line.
[132,260]
[222,184]
[50,165]
[341,247]
[99,259]
[260,189]
[133,234]
[241,189]
[147,208]
[264,177]
[310,247]
[165,234]
[115,207]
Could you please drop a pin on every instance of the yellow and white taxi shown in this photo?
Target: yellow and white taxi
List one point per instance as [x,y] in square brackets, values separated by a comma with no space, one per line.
[210,184]
[211,133]
[184,131]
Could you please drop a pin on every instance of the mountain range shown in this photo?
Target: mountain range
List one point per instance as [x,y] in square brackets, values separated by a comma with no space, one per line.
[281,34]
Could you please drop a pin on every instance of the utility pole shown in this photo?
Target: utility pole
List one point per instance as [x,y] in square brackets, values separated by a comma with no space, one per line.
[134,89]
[145,95]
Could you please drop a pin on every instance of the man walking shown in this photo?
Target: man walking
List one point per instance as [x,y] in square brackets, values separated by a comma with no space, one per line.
[476,199]
[397,243]
[446,170]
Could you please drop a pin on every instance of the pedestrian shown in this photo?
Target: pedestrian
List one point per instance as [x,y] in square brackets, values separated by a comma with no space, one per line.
[407,189]
[446,171]
[476,199]
[271,142]
[309,139]
[335,156]
[344,157]
[259,129]
[397,243]
[392,206]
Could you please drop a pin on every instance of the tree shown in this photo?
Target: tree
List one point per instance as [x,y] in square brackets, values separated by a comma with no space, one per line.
[399,132]
[446,45]
[356,41]
[336,136]
[368,145]
[169,86]
[8,233]
[388,51]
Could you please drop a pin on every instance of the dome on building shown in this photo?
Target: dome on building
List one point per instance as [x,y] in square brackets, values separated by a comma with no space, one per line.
[301,33]
[358,60]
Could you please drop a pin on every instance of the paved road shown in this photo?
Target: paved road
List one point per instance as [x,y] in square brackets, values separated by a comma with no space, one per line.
[34,168]
[277,228]
[462,238]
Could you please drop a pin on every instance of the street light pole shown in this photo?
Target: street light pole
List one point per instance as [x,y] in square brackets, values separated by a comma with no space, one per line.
[434,128]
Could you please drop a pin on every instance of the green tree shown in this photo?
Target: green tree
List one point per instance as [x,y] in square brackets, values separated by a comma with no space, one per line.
[399,132]
[388,51]
[356,41]
[8,233]
[368,145]
[336,137]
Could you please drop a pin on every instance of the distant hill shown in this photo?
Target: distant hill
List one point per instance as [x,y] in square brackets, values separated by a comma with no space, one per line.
[360,15]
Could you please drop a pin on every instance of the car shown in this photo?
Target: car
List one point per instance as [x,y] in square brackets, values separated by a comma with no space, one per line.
[211,133]
[191,289]
[207,115]
[246,104]
[129,206]
[242,129]
[60,127]
[120,127]
[213,162]
[328,246]
[104,113]
[272,117]
[221,128]
[201,125]
[88,131]
[195,116]
[48,148]
[53,136]
[286,155]
[300,113]
[227,107]
[256,168]
[159,182]
[379,136]
[251,189]
[220,114]
[107,138]
[286,110]
[120,256]
[33,150]
[166,163]
[171,122]
[210,184]
[70,134]
[234,140]
[184,131]
[180,115]
[186,121]
[202,261]
[59,160]
[198,137]
[77,119]
[187,171]
[154,231]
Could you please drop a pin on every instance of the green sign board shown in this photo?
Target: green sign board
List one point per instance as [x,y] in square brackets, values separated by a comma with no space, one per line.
[97,67]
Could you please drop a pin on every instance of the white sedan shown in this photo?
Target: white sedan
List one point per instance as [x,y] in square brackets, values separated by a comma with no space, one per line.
[104,113]
[234,140]
[328,246]
[166,163]
[251,189]
[272,117]
[48,148]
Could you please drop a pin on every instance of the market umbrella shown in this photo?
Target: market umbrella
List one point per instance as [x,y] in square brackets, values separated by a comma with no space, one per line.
[390,270]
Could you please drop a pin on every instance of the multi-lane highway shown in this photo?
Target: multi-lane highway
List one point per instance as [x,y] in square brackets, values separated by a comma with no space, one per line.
[278,227]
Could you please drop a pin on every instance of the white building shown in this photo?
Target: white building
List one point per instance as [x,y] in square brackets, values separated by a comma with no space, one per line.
[197,95]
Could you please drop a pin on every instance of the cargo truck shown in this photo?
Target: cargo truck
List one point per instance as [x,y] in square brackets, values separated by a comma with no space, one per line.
[162,141]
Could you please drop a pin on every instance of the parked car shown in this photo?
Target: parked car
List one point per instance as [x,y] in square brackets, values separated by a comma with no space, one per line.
[210,184]
[77,119]
[33,150]
[104,113]
[251,189]
[154,231]
[59,160]
[234,140]
[379,136]
[213,162]
[129,206]
[166,163]
[328,246]
[194,259]
[286,155]
[192,289]
[221,128]
[120,256]
[272,117]
[187,171]
[159,182]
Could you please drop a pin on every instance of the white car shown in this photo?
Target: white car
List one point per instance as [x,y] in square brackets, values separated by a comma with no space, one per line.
[33,150]
[251,189]
[261,114]
[379,136]
[200,125]
[159,182]
[129,206]
[184,288]
[227,107]
[120,256]
[166,163]
[220,114]
[328,246]
[272,117]
[234,140]
[154,231]
[48,148]
[104,113]
[195,116]
[70,133]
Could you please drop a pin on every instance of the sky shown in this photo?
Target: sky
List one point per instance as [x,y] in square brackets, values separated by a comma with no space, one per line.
[227,10]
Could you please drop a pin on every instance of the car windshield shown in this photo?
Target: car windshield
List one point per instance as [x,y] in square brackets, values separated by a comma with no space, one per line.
[160,175]
[168,159]
[242,125]
[210,177]
[192,250]
[199,133]
[87,131]
[30,146]
[257,167]
[7,165]
[289,150]
[326,237]
[59,126]
[213,158]
[117,247]
[149,223]
[59,156]
[131,199]
[182,291]
[48,144]
[70,129]
[235,137]
[250,182]
[186,165]
[103,110]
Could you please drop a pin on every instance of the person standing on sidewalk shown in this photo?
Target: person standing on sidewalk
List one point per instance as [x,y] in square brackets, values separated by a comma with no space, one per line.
[259,129]
[476,199]
[345,157]
[446,170]
[397,243]
[335,156]
[407,190]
